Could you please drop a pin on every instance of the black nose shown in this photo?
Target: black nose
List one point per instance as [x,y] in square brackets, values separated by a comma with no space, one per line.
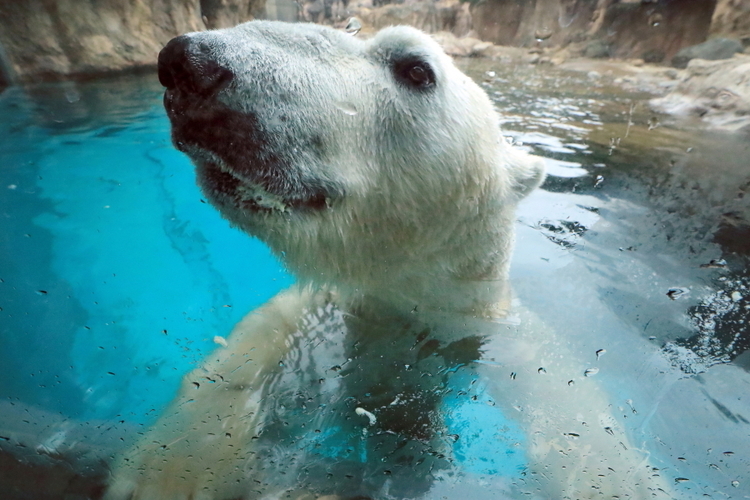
[189,65]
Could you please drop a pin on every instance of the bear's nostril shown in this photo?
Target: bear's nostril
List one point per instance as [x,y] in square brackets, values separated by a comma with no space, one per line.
[188,65]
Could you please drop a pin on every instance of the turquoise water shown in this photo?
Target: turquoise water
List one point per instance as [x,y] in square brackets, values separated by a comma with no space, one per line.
[115,275]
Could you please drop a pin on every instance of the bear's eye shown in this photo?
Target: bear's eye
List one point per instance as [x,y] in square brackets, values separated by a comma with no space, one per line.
[415,73]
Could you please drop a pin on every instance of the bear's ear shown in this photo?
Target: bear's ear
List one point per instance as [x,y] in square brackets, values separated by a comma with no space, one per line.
[526,171]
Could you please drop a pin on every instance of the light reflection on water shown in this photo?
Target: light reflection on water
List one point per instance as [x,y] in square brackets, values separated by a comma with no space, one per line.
[629,212]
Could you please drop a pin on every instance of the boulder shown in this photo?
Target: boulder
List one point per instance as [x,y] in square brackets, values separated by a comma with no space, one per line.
[711,50]
[716,92]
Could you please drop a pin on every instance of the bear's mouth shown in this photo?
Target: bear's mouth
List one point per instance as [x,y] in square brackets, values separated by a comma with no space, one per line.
[237,163]
[224,187]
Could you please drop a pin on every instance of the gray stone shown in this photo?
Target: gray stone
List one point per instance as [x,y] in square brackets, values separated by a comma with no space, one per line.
[711,50]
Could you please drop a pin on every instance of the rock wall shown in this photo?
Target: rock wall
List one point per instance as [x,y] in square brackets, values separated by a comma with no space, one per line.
[54,39]
[653,30]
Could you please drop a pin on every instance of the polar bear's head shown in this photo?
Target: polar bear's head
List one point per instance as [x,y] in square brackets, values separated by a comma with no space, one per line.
[367,164]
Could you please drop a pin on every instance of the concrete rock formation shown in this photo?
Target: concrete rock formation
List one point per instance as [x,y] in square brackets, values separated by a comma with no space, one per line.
[44,40]
[716,92]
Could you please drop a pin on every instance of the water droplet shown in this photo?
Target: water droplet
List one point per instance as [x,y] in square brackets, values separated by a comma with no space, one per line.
[630,404]
[728,453]
[454,437]
[736,296]
[513,375]
[196,385]
[609,431]
[353,26]
[72,96]
[600,352]
[541,370]
[677,292]
[655,20]
[653,122]
[598,181]
[681,479]
[715,264]
[590,372]
[571,382]
[736,483]
[362,412]
[542,34]
[347,107]
[220,340]
[572,435]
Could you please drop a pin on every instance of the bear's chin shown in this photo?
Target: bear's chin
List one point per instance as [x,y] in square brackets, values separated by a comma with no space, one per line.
[225,189]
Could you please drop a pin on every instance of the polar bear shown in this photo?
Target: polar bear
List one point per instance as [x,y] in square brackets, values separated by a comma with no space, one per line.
[377,172]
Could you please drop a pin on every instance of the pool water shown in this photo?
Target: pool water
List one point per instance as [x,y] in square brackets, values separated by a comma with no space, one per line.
[116,276]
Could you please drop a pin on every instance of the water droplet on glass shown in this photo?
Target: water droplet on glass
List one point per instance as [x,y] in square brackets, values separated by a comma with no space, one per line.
[655,20]
[353,26]
[715,264]
[196,385]
[598,181]
[72,96]
[541,370]
[681,479]
[571,382]
[542,34]
[653,122]
[513,375]
[736,296]
[600,352]
[590,372]
[609,431]
[362,412]
[347,107]
[736,484]
[677,292]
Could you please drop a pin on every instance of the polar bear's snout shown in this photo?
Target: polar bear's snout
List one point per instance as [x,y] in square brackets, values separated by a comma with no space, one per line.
[188,66]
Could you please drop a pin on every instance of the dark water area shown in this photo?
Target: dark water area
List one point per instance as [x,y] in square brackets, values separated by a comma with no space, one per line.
[116,276]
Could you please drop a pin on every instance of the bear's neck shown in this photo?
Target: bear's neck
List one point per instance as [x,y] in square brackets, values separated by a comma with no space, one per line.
[483,297]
